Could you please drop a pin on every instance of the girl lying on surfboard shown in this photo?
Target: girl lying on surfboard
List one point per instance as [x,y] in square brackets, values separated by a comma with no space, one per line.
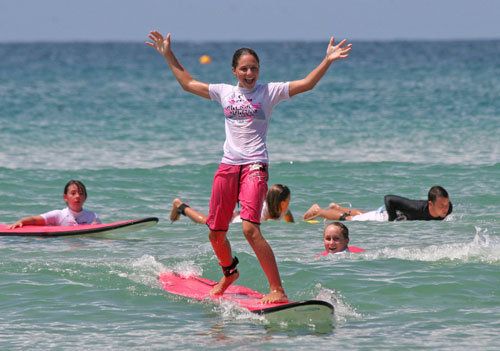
[275,207]
[243,173]
[74,195]
[336,239]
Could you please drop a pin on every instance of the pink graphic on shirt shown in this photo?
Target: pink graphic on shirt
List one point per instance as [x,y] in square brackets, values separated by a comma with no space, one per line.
[242,108]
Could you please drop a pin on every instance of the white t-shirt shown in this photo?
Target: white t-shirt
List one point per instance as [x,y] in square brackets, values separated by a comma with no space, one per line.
[67,217]
[264,215]
[247,113]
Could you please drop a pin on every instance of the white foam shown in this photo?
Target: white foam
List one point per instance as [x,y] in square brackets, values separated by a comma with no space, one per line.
[343,311]
[231,311]
[143,270]
[154,151]
[481,249]
[188,269]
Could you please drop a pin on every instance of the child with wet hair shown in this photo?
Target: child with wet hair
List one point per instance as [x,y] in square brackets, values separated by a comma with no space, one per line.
[75,195]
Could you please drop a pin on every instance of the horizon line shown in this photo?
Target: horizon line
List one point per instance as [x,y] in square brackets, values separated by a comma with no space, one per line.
[132,41]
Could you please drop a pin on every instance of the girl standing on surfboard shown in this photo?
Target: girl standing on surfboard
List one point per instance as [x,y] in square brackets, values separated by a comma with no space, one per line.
[275,207]
[242,174]
[75,195]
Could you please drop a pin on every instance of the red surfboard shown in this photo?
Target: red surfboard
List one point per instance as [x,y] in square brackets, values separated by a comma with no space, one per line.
[105,228]
[298,312]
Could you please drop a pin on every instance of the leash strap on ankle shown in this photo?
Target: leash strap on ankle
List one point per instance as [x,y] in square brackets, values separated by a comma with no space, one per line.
[231,269]
[181,209]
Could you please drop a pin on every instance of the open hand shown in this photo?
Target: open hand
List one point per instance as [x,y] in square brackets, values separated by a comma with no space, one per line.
[18,224]
[162,45]
[339,51]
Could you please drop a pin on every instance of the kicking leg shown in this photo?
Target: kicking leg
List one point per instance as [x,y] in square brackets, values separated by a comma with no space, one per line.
[174,212]
[312,212]
[351,211]
[179,207]
[330,213]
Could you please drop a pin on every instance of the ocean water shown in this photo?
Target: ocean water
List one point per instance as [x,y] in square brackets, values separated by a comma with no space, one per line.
[396,117]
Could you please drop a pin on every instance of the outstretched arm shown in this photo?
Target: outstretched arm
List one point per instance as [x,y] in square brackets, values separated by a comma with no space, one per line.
[187,82]
[33,220]
[333,53]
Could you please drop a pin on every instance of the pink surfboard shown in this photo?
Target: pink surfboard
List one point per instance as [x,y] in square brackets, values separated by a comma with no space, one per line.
[298,312]
[120,226]
[355,249]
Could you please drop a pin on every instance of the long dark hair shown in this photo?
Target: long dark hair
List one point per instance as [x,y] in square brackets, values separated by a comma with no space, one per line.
[275,195]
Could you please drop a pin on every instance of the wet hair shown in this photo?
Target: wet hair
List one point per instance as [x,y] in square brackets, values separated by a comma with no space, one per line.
[243,51]
[343,229]
[435,192]
[79,185]
[275,195]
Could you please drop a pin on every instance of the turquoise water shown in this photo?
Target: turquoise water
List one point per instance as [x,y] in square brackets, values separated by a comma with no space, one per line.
[397,117]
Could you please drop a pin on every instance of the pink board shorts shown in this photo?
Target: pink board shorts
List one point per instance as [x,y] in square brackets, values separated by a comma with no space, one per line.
[246,184]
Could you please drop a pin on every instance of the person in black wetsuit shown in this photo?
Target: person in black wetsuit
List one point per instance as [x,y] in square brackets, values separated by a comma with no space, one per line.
[436,207]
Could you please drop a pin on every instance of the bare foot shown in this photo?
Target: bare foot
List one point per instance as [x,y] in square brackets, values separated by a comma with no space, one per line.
[224,283]
[312,212]
[274,296]
[174,213]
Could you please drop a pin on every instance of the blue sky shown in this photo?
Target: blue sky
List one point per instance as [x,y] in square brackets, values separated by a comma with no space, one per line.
[223,20]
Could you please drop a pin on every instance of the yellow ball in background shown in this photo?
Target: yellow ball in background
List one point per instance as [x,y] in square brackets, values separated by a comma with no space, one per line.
[205,59]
